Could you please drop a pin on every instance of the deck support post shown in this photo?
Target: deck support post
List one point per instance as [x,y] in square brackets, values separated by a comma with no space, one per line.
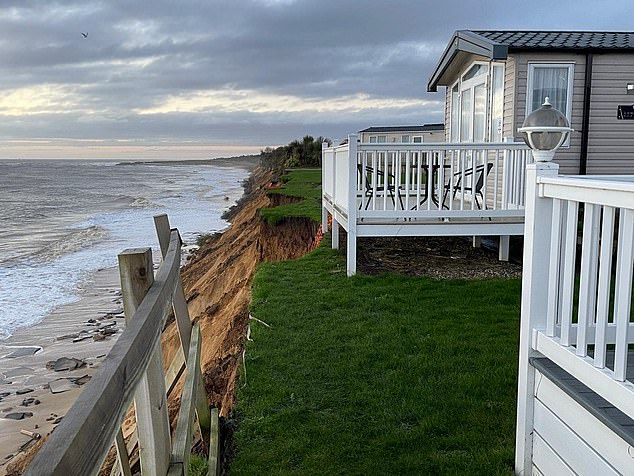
[351,255]
[324,219]
[536,263]
[335,234]
[503,248]
[351,261]
[324,210]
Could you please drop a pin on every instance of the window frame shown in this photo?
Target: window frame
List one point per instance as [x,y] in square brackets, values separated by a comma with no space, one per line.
[454,134]
[529,87]
[487,80]
[490,126]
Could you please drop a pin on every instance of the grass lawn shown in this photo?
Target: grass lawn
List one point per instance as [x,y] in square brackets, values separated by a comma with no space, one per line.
[301,183]
[377,375]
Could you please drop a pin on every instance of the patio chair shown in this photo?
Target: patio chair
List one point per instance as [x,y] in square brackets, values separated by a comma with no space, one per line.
[475,187]
[380,178]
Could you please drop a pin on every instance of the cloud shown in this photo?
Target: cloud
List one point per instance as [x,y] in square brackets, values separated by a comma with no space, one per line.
[228,101]
[221,70]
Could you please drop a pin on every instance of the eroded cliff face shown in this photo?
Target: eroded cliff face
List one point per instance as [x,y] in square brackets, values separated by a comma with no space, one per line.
[217,284]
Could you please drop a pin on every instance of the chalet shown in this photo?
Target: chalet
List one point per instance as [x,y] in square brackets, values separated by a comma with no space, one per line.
[403,134]
[494,79]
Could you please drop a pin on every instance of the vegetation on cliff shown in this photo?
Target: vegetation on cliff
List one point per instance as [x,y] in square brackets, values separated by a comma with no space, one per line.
[304,186]
[304,153]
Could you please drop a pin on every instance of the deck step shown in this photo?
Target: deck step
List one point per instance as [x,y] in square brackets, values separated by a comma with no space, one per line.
[600,408]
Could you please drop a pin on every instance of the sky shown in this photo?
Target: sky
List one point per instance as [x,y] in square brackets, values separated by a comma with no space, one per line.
[186,78]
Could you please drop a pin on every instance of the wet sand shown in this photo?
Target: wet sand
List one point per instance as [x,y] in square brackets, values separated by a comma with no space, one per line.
[100,301]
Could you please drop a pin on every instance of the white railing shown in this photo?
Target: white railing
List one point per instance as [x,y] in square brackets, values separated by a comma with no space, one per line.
[439,180]
[578,316]
[336,176]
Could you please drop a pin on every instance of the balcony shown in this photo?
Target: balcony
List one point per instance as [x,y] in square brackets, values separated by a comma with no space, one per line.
[428,189]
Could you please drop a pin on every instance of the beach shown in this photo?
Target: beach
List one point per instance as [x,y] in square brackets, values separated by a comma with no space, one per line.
[101,302]
[77,335]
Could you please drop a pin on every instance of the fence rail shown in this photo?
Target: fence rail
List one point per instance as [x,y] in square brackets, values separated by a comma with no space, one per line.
[133,370]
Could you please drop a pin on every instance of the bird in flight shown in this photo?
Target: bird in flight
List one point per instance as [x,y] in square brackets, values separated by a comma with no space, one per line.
[85,35]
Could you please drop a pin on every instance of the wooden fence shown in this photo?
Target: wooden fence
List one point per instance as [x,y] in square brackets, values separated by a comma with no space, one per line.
[133,371]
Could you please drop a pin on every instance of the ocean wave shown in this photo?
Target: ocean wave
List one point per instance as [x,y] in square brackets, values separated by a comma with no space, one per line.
[142,202]
[135,202]
[71,242]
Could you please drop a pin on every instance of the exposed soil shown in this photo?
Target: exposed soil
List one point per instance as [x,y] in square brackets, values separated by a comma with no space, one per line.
[443,257]
[217,283]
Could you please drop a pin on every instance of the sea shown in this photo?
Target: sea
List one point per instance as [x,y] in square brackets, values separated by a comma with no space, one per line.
[63,220]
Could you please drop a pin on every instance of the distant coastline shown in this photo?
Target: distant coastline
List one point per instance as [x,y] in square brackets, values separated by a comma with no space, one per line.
[250,161]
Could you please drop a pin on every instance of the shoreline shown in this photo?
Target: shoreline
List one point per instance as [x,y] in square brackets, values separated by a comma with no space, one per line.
[99,300]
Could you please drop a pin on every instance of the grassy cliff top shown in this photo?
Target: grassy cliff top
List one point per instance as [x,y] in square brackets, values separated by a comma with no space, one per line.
[304,184]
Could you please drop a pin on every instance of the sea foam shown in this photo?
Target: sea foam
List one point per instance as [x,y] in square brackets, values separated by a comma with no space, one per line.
[93,228]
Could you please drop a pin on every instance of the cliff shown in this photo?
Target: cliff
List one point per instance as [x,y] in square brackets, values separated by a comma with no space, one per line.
[217,283]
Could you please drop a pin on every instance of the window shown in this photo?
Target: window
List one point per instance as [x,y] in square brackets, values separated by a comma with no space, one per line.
[497,102]
[473,103]
[466,115]
[418,139]
[477,99]
[381,139]
[553,81]
[479,112]
[372,139]
[475,71]
[404,139]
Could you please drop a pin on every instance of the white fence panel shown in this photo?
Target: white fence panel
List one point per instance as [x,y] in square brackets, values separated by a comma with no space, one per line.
[342,167]
[328,172]
[585,325]
[413,179]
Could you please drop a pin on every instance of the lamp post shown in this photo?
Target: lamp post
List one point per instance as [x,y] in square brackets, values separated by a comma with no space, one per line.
[544,131]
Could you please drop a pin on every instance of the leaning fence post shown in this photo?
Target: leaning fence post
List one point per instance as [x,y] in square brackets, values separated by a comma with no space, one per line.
[181,313]
[214,444]
[183,434]
[537,238]
[150,401]
[179,304]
